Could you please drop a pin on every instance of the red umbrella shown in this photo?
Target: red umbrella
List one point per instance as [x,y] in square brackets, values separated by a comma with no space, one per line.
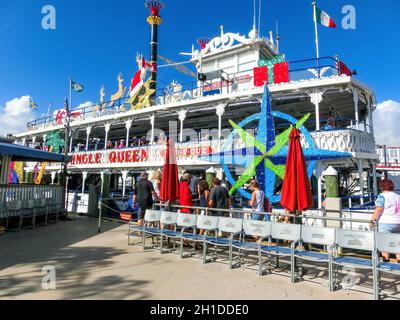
[296,190]
[169,182]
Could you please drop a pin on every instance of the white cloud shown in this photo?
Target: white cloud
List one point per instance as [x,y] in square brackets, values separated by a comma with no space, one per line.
[14,116]
[387,123]
[85,104]
[89,108]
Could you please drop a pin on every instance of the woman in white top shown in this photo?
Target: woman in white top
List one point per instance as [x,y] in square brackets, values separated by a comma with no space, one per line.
[387,212]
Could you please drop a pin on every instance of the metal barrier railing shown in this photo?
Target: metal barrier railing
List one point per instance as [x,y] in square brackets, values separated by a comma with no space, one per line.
[10,193]
[276,213]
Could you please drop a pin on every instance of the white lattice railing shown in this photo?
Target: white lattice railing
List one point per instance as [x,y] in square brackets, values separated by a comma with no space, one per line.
[359,143]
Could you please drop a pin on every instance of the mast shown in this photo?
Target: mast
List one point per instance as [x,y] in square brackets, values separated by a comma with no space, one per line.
[278,37]
[154,20]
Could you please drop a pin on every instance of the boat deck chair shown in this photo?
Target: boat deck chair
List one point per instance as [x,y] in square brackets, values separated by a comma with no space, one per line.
[285,232]
[357,240]
[168,222]
[386,242]
[315,236]
[187,225]
[251,228]
[231,227]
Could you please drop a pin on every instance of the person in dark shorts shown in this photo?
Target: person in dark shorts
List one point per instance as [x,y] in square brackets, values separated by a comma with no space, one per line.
[143,196]
[219,199]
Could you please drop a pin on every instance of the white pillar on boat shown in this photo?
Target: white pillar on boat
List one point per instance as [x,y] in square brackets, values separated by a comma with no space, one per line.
[152,122]
[44,139]
[88,132]
[84,177]
[182,117]
[370,118]
[361,180]
[107,127]
[124,177]
[71,138]
[33,141]
[369,184]
[24,141]
[357,116]
[105,172]
[316,96]
[53,176]
[128,126]
[220,112]
[67,199]
[318,173]
[375,179]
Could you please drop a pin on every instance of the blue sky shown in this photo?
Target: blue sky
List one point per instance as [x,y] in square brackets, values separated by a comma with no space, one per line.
[95,40]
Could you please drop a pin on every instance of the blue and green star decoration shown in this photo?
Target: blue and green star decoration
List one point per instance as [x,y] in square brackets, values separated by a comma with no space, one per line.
[264,155]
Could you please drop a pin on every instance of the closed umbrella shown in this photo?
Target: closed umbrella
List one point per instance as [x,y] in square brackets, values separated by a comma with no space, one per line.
[296,191]
[169,183]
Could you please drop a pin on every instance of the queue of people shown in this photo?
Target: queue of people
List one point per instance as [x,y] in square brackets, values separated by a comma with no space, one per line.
[215,200]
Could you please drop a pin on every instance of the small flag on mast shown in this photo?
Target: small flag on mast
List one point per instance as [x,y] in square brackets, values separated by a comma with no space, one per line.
[76,86]
[324,19]
[66,107]
[33,104]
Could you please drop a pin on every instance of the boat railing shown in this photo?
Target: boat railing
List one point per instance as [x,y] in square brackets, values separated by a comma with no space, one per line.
[389,157]
[231,82]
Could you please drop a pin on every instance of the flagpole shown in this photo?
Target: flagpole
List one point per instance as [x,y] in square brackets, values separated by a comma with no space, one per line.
[29,114]
[70,93]
[67,131]
[316,33]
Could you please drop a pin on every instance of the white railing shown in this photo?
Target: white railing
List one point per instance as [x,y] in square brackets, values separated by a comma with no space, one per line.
[392,157]
[11,193]
[359,143]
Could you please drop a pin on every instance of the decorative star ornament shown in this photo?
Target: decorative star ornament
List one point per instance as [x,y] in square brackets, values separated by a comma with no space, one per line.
[264,156]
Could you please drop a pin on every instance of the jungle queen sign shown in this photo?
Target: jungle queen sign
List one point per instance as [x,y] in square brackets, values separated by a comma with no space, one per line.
[153,154]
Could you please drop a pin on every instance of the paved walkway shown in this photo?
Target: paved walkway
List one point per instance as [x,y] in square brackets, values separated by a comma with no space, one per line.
[102,266]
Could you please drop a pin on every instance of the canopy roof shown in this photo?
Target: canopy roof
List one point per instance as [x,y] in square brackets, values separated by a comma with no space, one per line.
[20,153]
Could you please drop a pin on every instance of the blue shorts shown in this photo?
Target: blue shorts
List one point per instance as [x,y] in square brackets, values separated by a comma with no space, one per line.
[260,217]
[389,228]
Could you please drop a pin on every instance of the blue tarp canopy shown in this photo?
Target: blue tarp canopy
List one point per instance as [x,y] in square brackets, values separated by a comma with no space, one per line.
[20,153]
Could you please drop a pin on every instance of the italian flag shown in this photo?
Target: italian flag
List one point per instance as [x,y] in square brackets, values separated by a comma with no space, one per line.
[323,18]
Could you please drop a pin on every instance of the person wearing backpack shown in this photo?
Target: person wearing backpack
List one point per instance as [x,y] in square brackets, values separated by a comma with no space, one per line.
[387,212]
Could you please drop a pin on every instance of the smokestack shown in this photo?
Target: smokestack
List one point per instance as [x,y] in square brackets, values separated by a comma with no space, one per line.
[155,6]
